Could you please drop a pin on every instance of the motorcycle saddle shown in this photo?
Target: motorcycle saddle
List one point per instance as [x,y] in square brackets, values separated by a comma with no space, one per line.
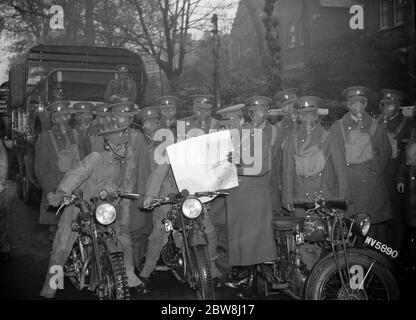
[286,223]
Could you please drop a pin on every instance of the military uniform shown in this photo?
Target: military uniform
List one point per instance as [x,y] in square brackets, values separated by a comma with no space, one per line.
[249,207]
[409,175]
[104,122]
[168,107]
[366,154]
[161,183]
[313,165]
[121,89]
[141,223]
[4,243]
[96,172]
[202,103]
[56,152]
[85,135]
[398,129]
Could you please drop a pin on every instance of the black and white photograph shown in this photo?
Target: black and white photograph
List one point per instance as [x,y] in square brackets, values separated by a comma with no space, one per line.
[244,152]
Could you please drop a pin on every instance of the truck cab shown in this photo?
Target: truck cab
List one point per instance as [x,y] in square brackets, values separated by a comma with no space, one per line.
[50,73]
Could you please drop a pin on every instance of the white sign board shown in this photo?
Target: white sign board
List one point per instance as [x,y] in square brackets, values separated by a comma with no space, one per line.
[200,164]
[150,64]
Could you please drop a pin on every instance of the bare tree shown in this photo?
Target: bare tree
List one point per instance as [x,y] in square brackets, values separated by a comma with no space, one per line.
[162,30]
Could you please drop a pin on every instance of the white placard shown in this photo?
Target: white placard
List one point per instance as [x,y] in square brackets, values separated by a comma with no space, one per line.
[200,164]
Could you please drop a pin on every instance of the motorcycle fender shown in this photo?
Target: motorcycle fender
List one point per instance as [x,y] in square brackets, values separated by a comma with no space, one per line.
[384,261]
[197,237]
[369,253]
[112,246]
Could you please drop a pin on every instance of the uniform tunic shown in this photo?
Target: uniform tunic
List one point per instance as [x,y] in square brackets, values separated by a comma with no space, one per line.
[123,88]
[85,137]
[250,214]
[330,176]
[285,129]
[396,164]
[366,184]
[47,170]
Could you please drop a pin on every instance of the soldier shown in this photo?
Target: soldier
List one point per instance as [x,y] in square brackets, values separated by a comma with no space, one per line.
[366,153]
[141,224]
[168,109]
[233,120]
[232,117]
[286,100]
[249,207]
[104,123]
[138,169]
[58,93]
[5,248]
[85,128]
[161,183]
[122,88]
[287,127]
[202,119]
[399,129]
[56,152]
[96,172]
[313,165]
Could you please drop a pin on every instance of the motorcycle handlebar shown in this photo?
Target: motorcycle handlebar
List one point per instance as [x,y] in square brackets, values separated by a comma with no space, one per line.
[336,203]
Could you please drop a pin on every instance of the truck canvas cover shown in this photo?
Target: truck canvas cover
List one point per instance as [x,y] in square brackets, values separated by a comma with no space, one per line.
[29,70]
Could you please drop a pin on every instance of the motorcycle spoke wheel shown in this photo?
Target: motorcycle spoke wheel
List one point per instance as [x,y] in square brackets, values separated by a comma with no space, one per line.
[202,273]
[325,283]
[114,277]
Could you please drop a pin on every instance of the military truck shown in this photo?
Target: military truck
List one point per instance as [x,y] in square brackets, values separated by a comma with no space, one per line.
[82,72]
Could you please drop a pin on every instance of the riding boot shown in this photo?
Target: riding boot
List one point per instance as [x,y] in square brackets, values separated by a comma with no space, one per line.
[234,279]
[249,289]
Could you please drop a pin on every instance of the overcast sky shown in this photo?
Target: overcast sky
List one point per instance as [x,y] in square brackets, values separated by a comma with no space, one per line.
[225,20]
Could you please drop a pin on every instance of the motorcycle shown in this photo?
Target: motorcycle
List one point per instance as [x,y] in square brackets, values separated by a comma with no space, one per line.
[317,258]
[186,251]
[96,261]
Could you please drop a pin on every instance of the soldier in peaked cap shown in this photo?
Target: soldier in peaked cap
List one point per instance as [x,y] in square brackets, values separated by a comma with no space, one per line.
[286,101]
[138,166]
[232,116]
[399,129]
[56,152]
[250,203]
[313,165]
[85,127]
[141,224]
[104,122]
[168,107]
[366,152]
[202,119]
[95,172]
[122,88]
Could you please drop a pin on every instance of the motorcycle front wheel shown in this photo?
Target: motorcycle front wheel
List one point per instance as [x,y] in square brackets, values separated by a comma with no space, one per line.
[366,280]
[205,284]
[114,277]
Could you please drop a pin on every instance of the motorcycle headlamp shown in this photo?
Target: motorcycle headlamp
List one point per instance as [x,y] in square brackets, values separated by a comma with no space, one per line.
[192,208]
[361,224]
[105,214]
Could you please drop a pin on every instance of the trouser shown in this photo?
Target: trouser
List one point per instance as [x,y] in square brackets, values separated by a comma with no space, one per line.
[139,242]
[159,238]
[4,243]
[64,241]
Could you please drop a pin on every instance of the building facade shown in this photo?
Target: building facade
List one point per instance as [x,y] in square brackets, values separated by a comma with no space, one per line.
[318,44]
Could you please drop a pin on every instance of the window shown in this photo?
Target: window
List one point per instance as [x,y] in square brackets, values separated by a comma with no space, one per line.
[291,35]
[300,33]
[391,13]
